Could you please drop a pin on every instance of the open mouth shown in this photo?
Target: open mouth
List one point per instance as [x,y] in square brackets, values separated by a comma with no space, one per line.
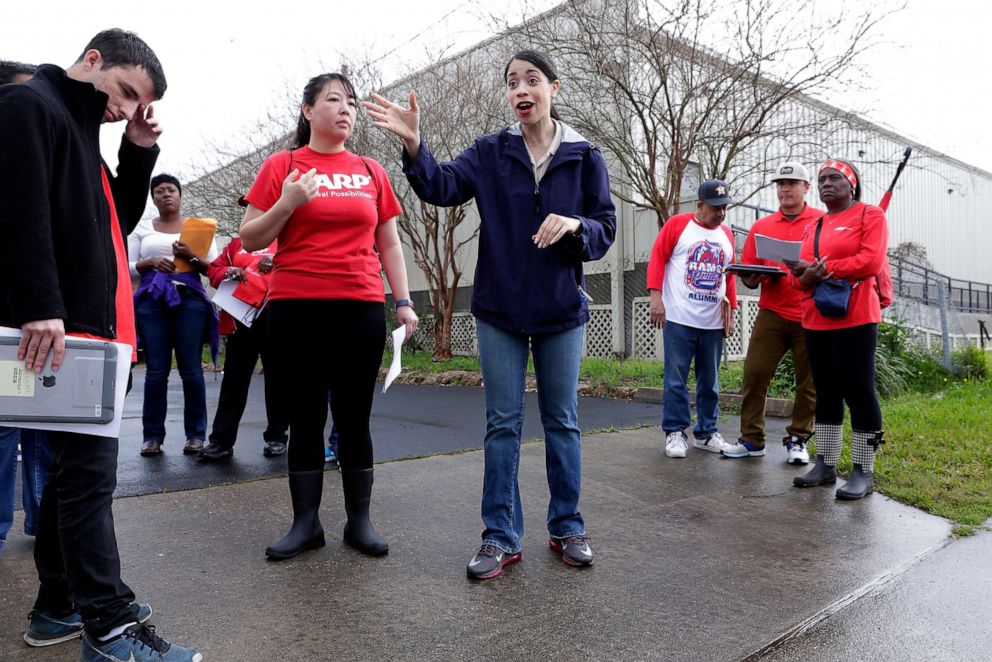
[525,106]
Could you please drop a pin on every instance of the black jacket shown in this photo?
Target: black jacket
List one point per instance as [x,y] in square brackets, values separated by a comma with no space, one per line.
[56,249]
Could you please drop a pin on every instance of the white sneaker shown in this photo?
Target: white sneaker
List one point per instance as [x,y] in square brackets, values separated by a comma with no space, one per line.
[743,449]
[676,444]
[714,443]
[797,450]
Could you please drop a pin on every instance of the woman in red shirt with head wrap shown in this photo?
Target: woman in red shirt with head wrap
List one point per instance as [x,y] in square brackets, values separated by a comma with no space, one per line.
[847,244]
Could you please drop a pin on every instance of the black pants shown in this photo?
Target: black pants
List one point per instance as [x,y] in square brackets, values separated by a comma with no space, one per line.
[843,363]
[316,345]
[244,347]
[76,548]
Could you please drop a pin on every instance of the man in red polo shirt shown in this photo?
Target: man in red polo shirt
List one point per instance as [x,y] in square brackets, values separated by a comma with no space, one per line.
[778,327]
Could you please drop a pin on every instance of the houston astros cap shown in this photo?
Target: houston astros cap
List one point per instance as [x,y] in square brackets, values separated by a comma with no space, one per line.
[790,170]
[715,193]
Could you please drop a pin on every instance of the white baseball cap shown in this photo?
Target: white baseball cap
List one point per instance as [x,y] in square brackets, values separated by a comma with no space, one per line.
[790,170]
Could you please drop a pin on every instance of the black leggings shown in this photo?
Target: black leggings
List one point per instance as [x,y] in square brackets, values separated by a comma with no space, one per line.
[843,363]
[321,344]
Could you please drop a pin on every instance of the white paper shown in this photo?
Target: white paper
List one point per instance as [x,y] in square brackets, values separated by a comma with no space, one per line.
[399,335]
[236,308]
[777,250]
[111,429]
[15,380]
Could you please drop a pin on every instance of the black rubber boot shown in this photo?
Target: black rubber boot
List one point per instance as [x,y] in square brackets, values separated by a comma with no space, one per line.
[305,488]
[358,532]
[821,474]
[858,486]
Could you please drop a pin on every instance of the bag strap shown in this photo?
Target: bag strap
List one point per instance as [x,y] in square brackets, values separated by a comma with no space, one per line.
[375,184]
[816,238]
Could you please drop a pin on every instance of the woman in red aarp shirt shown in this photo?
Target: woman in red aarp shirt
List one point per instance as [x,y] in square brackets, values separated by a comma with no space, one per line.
[327,326]
[849,242]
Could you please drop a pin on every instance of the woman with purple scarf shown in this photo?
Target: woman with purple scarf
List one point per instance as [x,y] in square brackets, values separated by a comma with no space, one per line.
[172,312]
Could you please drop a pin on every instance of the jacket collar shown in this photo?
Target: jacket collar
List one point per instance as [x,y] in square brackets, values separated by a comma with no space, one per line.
[573,145]
[82,99]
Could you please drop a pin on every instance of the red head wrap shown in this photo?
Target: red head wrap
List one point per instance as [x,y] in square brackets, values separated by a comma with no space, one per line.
[843,168]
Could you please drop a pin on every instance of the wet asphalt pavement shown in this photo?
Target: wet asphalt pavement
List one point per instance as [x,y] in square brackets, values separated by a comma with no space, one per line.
[408,421]
[702,558]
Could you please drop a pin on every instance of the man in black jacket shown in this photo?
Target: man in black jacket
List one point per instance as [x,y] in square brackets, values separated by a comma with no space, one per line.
[63,268]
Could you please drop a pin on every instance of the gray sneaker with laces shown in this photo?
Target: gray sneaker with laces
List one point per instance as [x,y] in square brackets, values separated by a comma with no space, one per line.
[489,562]
[574,550]
[139,643]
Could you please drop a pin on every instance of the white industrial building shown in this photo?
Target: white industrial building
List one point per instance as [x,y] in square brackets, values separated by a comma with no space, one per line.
[940,204]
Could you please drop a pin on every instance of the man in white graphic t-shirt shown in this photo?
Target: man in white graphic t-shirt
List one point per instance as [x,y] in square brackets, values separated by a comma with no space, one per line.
[689,291]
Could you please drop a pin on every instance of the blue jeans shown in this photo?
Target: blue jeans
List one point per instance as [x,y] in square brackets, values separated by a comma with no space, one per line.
[34,465]
[682,345]
[163,329]
[503,357]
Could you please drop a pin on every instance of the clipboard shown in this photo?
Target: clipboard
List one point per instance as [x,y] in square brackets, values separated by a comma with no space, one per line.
[197,233]
[754,270]
[82,391]
[232,305]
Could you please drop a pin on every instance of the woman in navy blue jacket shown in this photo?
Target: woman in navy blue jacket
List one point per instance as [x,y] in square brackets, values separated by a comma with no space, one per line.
[543,195]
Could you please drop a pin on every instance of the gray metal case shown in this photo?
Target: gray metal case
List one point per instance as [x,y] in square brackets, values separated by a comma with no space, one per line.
[82,391]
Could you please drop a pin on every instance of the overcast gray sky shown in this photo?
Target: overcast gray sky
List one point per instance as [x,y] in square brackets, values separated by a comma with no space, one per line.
[227,62]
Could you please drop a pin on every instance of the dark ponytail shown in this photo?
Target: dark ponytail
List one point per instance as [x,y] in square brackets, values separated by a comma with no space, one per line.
[312,90]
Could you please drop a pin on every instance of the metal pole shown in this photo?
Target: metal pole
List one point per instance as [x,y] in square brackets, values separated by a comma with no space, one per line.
[945,336]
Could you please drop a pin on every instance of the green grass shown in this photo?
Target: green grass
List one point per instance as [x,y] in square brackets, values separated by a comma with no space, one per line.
[938,451]
[629,373]
[421,360]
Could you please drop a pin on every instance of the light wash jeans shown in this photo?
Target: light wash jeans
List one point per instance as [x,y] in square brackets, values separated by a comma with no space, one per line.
[503,357]
[682,345]
[34,465]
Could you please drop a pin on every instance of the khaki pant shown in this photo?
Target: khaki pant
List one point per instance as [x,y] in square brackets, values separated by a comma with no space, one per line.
[771,337]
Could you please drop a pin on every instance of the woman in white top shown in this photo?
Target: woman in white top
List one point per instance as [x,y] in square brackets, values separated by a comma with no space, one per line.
[172,312]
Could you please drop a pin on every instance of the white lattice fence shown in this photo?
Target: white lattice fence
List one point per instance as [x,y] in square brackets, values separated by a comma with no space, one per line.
[462,334]
[646,340]
[463,340]
[746,314]
[599,331]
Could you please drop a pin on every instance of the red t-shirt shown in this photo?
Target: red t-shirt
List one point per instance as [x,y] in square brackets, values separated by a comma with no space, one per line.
[777,294]
[123,296]
[854,243]
[327,247]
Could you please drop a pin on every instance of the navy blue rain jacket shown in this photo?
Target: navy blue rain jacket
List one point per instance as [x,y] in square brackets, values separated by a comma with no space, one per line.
[518,286]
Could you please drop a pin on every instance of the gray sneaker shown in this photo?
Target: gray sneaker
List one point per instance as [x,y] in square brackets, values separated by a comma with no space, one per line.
[139,643]
[489,562]
[44,630]
[574,550]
